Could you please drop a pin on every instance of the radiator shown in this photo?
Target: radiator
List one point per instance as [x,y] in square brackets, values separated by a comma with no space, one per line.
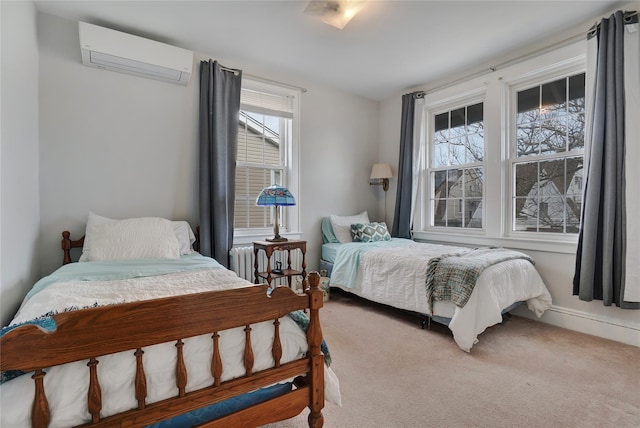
[242,264]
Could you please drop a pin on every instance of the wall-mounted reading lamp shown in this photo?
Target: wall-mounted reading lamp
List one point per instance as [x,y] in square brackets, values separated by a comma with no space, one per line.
[380,175]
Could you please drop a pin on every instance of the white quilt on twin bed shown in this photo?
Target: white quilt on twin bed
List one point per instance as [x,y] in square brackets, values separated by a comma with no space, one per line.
[66,386]
[395,275]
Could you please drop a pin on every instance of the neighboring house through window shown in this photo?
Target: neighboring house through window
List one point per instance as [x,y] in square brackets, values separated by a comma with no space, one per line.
[547,156]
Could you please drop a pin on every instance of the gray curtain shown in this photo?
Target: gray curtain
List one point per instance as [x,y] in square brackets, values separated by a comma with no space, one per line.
[403,213]
[600,258]
[219,117]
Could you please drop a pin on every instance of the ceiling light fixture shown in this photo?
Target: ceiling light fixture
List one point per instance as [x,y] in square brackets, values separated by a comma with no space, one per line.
[336,13]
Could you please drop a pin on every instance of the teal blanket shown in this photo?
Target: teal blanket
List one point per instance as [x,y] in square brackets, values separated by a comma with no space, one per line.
[452,277]
[123,269]
[345,268]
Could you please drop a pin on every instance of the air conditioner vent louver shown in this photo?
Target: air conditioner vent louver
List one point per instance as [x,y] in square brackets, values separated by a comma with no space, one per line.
[125,53]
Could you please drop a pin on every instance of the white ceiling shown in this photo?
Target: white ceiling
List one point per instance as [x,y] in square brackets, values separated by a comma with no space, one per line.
[389,47]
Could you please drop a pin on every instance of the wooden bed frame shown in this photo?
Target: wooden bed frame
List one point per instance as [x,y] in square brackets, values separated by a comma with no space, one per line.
[89,334]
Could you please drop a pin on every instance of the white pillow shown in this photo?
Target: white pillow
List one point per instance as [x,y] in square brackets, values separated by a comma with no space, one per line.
[183,232]
[93,221]
[185,236]
[134,238]
[342,225]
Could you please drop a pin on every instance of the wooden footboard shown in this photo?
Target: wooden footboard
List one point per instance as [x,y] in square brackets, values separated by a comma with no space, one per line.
[91,333]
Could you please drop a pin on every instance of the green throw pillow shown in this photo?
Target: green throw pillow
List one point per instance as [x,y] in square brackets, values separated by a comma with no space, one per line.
[370,232]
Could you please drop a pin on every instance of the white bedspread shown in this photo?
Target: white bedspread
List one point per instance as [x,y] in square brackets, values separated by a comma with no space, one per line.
[396,276]
[66,386]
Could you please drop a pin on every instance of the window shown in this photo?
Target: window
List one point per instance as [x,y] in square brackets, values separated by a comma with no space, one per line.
[498,157]
[456,168]
[267,154]
[547,156]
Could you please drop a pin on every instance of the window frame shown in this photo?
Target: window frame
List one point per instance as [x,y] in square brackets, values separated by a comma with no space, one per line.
[290,153]
[425,204]
[494,83]
[511,87]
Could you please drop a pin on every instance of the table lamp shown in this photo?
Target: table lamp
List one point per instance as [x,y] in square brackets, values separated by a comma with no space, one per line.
[275,196]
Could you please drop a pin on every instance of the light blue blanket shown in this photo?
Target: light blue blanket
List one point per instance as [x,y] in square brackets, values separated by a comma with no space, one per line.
[345,268]
[123,269]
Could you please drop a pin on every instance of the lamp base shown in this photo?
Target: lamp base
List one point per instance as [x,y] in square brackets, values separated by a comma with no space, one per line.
[276,239]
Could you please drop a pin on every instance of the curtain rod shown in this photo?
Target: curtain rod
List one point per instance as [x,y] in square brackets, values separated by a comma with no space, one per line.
[560,44]
[262,79]
[231,70]
[629,17]
[491,69]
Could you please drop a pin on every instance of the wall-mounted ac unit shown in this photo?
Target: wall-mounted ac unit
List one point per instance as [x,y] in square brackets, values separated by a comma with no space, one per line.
[125,53]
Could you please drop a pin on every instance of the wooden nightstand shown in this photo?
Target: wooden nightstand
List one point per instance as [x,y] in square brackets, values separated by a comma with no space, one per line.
[288,272]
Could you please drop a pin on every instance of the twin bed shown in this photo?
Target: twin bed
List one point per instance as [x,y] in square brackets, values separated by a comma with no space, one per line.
[414,276]
[146,332]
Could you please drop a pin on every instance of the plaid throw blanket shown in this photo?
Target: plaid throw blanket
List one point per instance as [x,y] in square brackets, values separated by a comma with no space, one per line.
[451,277]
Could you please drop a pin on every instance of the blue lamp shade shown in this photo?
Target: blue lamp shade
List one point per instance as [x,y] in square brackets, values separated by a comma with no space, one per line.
[275,196]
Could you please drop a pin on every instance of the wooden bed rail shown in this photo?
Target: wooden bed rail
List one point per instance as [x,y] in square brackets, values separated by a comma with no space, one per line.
[89,334]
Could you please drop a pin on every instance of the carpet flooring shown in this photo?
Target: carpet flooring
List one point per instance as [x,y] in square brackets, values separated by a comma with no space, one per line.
[522,373]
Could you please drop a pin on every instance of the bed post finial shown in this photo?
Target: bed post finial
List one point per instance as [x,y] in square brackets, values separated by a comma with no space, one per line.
[314,338]
[67,244]
[66,247]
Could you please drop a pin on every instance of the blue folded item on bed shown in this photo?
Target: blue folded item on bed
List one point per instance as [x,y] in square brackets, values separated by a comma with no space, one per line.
[46,323]
[223,408]
[303,322]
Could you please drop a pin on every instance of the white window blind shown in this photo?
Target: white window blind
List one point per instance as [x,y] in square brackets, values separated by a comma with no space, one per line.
[267,104]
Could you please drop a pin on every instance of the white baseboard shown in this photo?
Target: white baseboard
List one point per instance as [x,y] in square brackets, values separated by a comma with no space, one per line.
[587,323]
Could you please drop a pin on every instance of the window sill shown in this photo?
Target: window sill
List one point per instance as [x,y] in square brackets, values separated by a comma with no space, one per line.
[520,243]
[247,237]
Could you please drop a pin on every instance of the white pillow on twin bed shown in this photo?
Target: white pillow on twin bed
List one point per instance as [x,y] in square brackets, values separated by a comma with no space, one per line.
[185,236]
[342,225]
[134,238]
[92,221]
[183,233]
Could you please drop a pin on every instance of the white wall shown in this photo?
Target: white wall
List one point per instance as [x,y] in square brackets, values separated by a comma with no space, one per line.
[555,262]
[124,146]
[19,194]
[115,144]
[338,149]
